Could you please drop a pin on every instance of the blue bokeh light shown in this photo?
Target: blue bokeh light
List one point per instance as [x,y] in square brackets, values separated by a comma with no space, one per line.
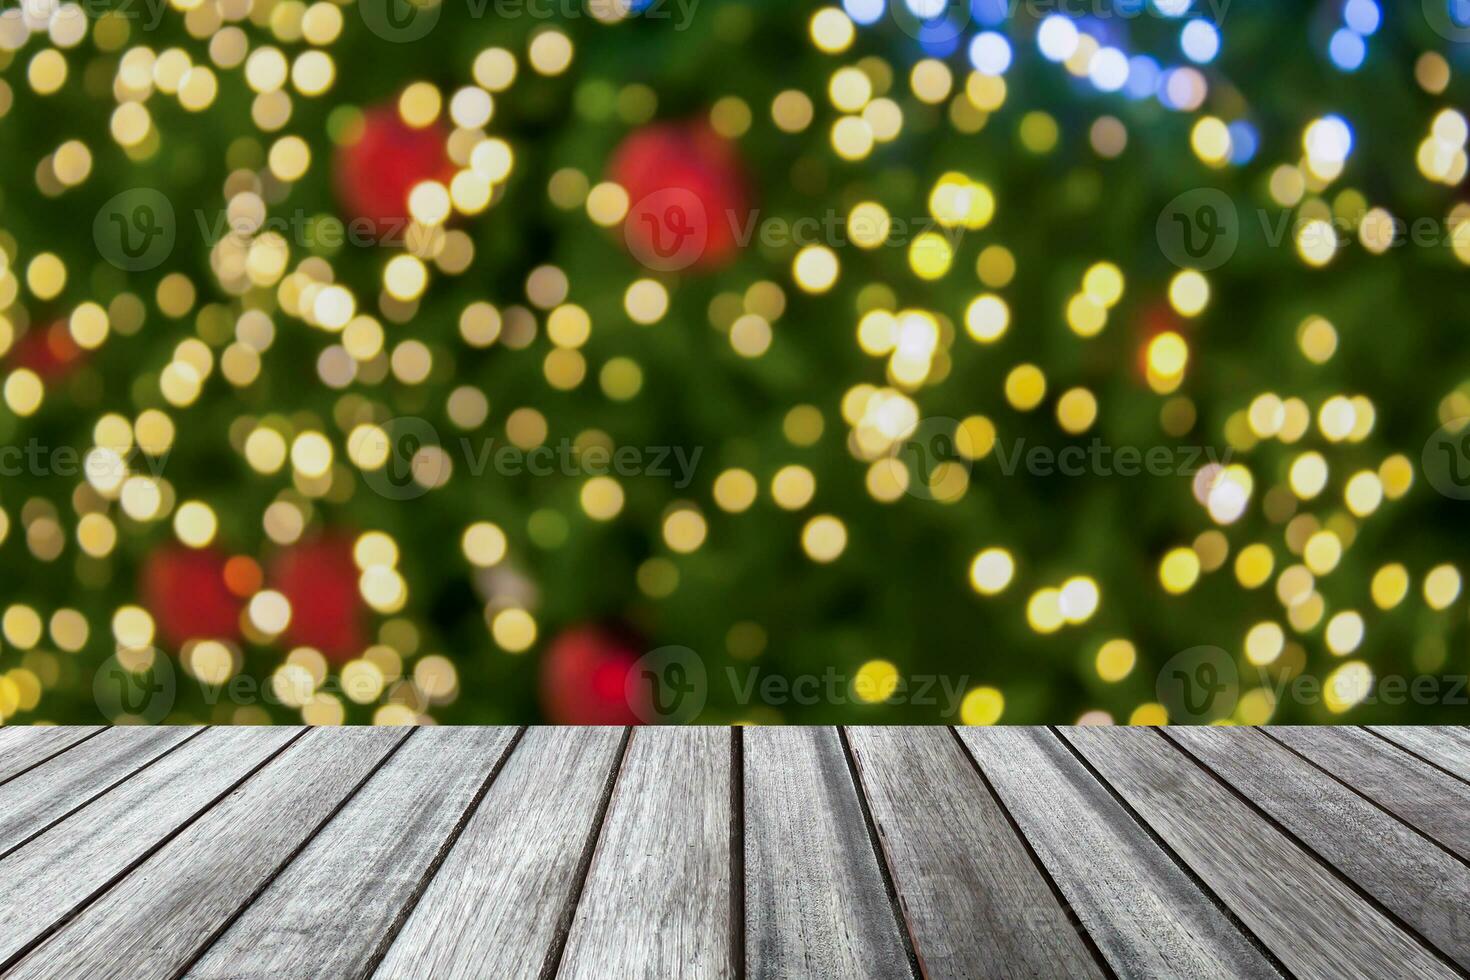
[1363,16]
[1200,41]
[1347,49]
[1244,142]
[990,53]
[864,12]
[1143,77]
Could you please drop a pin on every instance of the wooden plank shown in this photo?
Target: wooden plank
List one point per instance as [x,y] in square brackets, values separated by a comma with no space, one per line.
[38,798]
[1415,880]
[155,921]
[57,873]
[506,889]
[657,901]
[22,747]
[975,902]
[815,901]
[331,911]
[1400,782]
[1146,914]
[1448,748]
[1314,923]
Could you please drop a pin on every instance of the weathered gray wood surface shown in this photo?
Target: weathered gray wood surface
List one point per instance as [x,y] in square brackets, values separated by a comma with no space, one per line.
[1412,877]
[1304,913]
[657,902]
[325,916]
[59,872]
[497,903]
[1447,748]
[22,748]
[974,900]
[816,904]
[1146,915]
[156,921]
[1397,780]
[34,800]
[765,853]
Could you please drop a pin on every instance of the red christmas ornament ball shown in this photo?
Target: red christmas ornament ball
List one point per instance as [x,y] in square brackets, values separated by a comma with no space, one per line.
[320,579]
[688,195]
[584,676]
[185,591]
[49,351]
[375,174]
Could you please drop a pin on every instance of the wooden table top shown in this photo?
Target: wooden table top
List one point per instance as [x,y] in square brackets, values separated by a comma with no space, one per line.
[717,852]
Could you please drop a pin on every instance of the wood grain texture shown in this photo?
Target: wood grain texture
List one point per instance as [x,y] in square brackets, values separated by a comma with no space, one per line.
[1144,912]
[657,900]
[23,747]
[973,899]
[1448,748]
[815,901]
[154,921]
[55,874]
[33,801]
[327,915]
[335,853]
[492,909]
[1313,922]
[1397,780]
[1417,881]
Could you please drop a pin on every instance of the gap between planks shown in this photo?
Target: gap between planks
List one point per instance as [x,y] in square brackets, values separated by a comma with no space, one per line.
[104,887]
[737,831]
[1041,868]
[1172,854]
[1427,838]
[905,929]
[558,947]
[1306,848]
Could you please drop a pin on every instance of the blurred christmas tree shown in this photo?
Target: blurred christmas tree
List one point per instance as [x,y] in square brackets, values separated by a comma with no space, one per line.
[932,362]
